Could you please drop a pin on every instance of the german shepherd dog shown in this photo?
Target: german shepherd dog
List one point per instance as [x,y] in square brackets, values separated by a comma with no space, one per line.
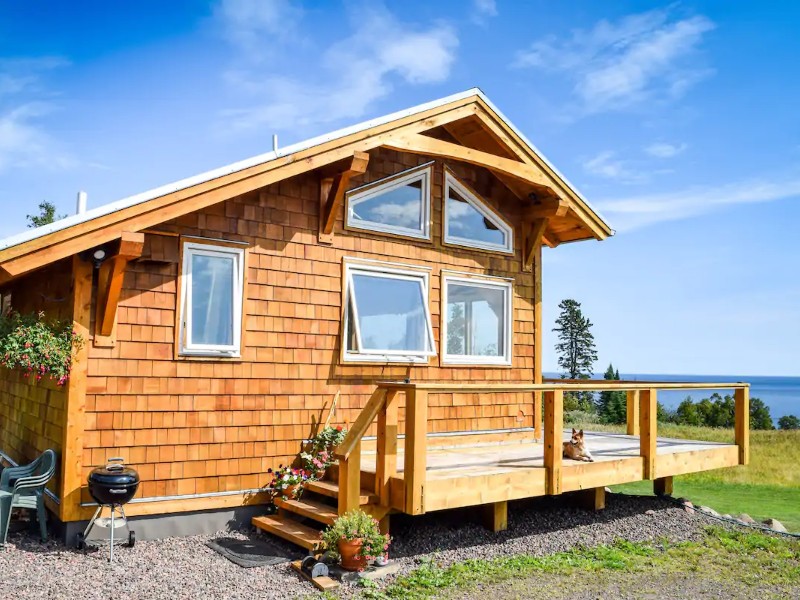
[576,449]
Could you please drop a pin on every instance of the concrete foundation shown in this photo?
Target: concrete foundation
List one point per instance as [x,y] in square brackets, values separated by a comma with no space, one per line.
[153,527]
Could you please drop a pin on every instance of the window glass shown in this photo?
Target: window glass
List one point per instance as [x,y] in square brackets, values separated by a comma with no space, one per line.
[471,222]
[477,321]
[400,205]
[212,299]
[387,315]
[464,221]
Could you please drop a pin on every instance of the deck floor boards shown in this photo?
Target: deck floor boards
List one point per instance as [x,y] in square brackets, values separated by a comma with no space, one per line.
[481,459]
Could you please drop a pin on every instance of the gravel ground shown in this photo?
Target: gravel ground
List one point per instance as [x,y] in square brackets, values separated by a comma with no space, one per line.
[185,568]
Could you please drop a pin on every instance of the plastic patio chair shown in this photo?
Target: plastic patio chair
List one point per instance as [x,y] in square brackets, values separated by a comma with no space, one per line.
[23,487]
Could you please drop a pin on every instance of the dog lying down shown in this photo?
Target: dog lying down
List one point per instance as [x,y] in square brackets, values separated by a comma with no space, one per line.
[576,448]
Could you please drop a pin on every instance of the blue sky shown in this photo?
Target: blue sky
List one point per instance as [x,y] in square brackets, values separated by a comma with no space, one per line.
[678,121]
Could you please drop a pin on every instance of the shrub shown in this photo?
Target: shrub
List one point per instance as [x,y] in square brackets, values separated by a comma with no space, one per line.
[355,525]
[38,347]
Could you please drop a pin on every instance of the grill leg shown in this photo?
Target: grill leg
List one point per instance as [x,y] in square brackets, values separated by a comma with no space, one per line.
[91,523]
[111,552]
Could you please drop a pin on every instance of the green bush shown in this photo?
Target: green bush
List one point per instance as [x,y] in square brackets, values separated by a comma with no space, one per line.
[354,525]
[38,347]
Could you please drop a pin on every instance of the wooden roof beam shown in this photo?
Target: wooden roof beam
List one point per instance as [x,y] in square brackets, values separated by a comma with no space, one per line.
[332,190]
[416,143]
[545,208]
[109,285]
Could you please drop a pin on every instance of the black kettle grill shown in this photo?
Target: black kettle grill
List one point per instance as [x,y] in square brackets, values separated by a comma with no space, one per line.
[111,486]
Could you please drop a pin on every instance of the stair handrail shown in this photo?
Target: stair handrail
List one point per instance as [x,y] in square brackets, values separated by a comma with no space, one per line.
[362,424]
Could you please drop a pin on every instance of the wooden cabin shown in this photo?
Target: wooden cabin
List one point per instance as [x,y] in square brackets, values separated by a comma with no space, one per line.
[396,264]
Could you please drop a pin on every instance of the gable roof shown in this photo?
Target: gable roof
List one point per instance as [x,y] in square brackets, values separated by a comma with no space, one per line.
[34,248]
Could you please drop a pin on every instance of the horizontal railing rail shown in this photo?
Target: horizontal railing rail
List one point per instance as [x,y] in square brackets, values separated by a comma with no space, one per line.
[642,414]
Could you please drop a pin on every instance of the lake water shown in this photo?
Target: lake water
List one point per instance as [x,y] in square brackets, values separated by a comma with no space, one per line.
[781,394]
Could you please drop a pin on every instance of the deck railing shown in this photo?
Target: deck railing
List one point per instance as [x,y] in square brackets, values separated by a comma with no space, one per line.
[642,413]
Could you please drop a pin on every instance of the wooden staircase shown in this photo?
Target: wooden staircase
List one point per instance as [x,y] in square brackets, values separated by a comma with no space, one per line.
[301,521]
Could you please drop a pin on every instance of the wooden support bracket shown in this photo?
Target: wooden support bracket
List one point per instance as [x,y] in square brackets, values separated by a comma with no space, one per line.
[332,190]
[109,286]
[533,232]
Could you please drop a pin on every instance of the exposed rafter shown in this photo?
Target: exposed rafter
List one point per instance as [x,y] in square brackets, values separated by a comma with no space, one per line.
[331,192]
[545,208]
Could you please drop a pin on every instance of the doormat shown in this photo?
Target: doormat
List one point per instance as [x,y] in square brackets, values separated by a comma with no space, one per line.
[250,553]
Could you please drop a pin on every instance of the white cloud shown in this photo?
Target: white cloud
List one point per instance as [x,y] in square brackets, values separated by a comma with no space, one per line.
[482,10]
[639,211]
[24,139]
[353,74]
[615,65]
[606,165]
[257,26]
[664,150]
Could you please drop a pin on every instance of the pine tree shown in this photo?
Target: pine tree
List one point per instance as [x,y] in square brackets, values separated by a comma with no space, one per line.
[612,405]
[47,215]
[576,349]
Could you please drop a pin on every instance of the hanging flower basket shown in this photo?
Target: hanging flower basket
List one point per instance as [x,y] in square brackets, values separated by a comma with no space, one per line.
[37,347]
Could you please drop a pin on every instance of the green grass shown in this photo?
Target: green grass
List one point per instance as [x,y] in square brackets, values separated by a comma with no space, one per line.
[758,501]
[767,487]
[752,558]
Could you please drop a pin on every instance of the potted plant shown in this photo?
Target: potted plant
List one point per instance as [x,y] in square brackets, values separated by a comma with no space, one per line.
[357,539]
[287,482]
[318,454]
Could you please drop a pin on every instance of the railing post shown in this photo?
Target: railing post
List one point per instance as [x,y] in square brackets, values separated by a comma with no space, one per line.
[742,423]
[350,481]
[553,427]
[416,449]
[386,456]
[648,422]
[633,412]
[537,415]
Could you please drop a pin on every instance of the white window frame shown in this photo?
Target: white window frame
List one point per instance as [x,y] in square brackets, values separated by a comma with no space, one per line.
[187,348]
[423,173]
[508,326]
[384,271]
[451,181]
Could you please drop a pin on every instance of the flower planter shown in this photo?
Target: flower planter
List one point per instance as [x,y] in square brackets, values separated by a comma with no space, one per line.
[350,551]
[290,492]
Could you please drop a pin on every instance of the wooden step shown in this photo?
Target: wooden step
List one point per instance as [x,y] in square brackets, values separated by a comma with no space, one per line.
[331,489]
[290,530]
[322,513]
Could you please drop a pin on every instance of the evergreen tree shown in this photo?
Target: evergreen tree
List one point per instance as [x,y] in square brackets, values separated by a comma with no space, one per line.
[576,350]
[612,405]
[47,215]
[789,422]
[759,415]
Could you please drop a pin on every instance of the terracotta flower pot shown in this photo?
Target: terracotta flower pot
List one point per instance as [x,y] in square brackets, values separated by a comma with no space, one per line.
[319,474]
[350,551]
[290,491]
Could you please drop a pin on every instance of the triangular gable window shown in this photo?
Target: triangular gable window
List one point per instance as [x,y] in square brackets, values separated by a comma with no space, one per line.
[470,222]
[399,204]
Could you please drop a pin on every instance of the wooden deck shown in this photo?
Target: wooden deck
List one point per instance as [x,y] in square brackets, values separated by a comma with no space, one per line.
[476,469]
[422,472]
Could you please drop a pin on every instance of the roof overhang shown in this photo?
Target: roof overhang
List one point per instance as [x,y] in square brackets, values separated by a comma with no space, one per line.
[509,155]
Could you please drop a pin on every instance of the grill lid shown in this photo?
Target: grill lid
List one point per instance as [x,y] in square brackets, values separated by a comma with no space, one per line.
[114,474]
